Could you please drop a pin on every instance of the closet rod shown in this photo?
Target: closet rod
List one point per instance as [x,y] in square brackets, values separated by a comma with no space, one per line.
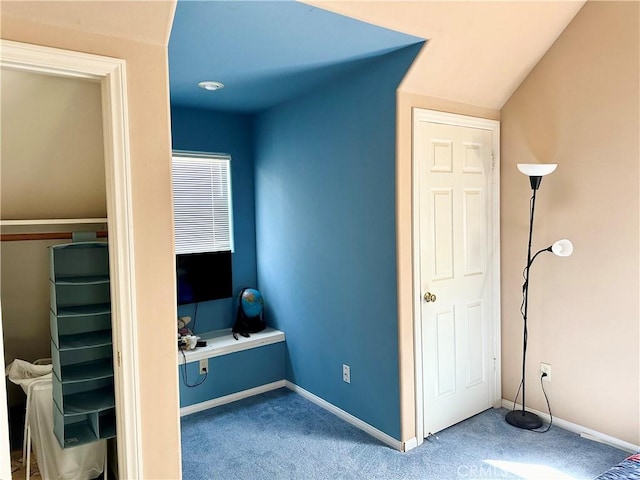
[13,237]
[51,221]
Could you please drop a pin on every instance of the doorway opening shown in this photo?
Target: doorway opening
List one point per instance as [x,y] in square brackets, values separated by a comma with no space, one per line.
[110,73]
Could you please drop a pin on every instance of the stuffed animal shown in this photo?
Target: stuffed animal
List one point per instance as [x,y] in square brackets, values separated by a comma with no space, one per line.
[186,338]
[182,326]
[189,342]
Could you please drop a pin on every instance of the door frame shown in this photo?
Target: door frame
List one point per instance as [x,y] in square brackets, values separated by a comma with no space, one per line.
[433,116]
[112,76]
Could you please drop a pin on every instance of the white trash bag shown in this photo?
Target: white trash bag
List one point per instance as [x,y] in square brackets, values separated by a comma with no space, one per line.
[23,373]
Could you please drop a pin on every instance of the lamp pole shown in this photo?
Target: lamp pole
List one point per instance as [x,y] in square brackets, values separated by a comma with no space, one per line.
[526,292]
[522,418]
[562,248]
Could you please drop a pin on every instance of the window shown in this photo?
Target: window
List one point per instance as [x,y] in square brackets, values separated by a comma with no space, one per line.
[202,202]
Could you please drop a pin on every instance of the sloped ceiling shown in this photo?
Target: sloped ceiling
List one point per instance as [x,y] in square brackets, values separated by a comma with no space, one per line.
[142,21]
[265,52]
[477,52]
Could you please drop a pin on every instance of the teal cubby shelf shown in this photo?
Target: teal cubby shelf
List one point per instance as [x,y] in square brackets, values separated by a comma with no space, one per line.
[95,369]
[82,428]
[81,343]
[84,340]
[77,358]
[75,280]
[73,298]
[68,325]
[81,259]
[83,310]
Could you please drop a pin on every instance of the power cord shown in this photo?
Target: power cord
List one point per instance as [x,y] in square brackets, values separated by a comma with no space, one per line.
[548,406]
[546,399]
[184,373]
[515,399]
[195,318]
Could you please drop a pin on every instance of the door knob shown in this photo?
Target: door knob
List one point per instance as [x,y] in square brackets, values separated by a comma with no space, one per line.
[429,297]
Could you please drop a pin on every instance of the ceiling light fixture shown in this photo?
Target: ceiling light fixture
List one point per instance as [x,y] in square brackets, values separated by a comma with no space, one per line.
[211,86]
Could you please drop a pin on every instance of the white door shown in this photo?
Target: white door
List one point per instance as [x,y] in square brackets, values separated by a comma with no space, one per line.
[457,244]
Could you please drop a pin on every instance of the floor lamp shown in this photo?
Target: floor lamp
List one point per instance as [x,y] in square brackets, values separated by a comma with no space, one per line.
[563,248]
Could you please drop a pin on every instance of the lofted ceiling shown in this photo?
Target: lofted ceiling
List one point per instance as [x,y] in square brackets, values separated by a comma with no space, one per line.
[142,21]
[477,52]
[265,52]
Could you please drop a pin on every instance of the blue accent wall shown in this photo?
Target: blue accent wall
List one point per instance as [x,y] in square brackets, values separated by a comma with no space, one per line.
[216,132]
[326,236]
[232,373]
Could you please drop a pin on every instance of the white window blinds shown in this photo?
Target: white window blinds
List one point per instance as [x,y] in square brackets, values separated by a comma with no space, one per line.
[202,203]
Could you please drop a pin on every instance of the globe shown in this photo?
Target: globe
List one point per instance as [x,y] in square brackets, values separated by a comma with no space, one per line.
[252,302]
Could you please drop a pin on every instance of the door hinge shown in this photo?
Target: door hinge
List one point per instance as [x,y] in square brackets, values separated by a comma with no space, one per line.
[119,359]
[494,363]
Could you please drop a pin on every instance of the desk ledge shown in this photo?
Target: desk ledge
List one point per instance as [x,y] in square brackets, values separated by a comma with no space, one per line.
[221,342]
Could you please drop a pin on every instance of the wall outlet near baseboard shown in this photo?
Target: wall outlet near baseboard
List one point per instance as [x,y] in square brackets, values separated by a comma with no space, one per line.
[346,373]
[545,368]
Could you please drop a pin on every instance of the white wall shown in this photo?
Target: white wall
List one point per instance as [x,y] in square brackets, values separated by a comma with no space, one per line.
[52,167]
[52,147]
[579,108]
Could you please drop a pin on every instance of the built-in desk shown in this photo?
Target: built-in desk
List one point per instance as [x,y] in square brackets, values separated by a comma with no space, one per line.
[237,369]
[221,342]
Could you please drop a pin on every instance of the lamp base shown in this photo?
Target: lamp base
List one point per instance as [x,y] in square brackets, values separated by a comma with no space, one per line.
[523,419]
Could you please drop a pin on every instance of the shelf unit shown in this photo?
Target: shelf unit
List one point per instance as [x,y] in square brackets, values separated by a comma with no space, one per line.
[81,343]
[221,342]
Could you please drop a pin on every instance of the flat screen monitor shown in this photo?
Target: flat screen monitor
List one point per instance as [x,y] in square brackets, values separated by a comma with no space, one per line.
[203,277]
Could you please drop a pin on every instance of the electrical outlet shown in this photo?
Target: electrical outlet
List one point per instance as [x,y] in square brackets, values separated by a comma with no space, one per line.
[204,366]
[346,373]
[545,368]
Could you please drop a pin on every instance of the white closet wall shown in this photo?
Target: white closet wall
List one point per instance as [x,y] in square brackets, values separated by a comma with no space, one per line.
[52,166]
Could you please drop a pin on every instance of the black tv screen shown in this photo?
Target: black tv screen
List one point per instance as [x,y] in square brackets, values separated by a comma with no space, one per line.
[203,276]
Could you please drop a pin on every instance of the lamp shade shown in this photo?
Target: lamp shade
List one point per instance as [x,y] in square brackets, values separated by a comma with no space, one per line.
[537,169]
[562,248]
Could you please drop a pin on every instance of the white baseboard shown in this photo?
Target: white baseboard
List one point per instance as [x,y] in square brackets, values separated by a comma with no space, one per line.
[347,417]
[579,429]
[216,402]
[410,444]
